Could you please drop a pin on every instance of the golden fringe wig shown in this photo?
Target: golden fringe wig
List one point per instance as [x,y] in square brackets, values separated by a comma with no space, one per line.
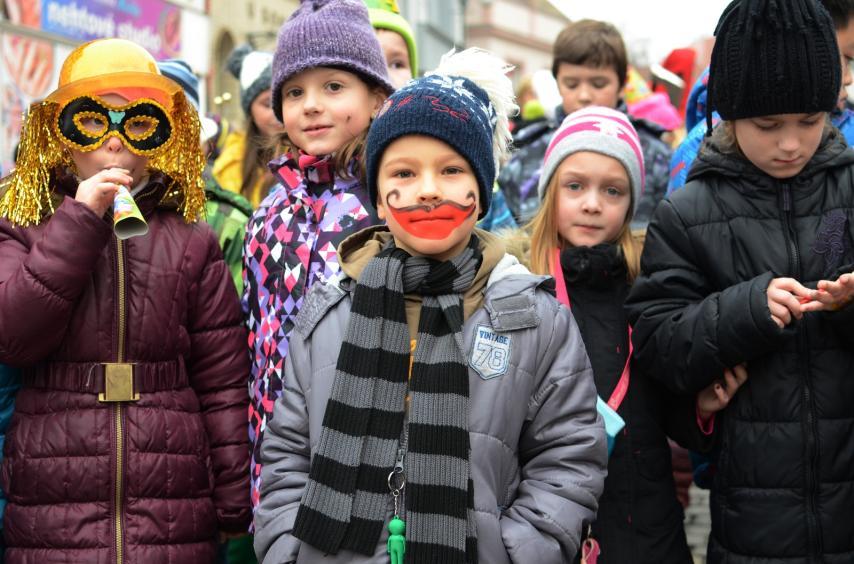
[183,161]
[26,196]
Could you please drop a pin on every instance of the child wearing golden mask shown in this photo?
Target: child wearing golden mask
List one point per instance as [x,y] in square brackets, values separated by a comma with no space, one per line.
[128,439]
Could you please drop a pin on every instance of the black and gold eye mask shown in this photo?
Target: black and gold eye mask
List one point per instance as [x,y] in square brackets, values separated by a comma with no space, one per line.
[87,122]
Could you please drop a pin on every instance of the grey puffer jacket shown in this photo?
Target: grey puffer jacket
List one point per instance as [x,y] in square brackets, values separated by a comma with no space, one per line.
[538,446]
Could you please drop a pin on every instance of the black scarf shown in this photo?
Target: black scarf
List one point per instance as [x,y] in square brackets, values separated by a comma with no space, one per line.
[346,500]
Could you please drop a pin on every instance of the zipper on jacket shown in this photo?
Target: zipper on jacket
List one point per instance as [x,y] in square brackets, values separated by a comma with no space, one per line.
[809,424]
[118,407]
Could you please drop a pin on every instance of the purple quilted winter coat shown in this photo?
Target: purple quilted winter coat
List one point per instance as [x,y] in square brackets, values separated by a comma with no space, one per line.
[153,479]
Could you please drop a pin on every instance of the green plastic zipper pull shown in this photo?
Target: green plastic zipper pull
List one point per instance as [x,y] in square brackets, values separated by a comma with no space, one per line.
[396,539]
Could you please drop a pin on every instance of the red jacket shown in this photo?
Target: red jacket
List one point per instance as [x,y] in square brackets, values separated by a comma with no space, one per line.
[150,480]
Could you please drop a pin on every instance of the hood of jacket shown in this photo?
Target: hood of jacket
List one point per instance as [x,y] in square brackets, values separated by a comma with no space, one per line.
[538,129]
[695,109]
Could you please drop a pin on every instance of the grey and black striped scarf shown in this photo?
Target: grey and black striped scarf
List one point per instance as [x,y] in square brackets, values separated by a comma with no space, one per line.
[347,497]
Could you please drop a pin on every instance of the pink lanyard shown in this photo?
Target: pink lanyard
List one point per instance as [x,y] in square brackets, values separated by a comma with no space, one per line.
[563,297]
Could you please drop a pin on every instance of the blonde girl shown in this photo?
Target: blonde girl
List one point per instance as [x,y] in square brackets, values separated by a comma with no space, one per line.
[592,177]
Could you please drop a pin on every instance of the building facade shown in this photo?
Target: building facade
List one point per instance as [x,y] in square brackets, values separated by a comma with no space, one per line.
[439,26]
[234,23]
[37,35]
[520,31]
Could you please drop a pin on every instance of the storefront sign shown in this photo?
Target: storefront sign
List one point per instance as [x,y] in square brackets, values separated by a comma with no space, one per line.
[154,24]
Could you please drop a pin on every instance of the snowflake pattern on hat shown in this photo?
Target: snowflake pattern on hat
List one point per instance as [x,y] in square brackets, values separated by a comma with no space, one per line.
[457,86]
[291,244]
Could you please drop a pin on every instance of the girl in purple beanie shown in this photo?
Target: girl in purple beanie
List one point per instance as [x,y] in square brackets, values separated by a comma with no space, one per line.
[329,80]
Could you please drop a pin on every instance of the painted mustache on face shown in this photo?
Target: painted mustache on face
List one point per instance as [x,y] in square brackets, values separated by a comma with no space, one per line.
[433,221]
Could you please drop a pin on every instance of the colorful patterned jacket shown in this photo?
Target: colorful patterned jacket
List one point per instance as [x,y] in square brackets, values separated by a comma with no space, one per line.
[291,244]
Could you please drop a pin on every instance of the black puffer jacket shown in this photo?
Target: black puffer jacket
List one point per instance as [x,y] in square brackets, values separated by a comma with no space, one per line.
[639,519]
[784,488]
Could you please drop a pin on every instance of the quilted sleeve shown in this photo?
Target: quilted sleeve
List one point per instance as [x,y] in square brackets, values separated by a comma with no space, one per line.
[219,370]
[42,277]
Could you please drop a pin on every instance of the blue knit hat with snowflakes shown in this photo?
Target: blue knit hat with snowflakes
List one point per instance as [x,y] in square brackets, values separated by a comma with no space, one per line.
[465,103]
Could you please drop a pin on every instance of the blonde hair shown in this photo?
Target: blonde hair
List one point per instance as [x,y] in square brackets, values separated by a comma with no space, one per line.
[545,236]
[727,141]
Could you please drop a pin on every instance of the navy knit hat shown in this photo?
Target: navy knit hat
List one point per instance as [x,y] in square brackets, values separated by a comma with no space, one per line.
[454,109]
[773,57]
[328,33]
[254,70]
[179,71]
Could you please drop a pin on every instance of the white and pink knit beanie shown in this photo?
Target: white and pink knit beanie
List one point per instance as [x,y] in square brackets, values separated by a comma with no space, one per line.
[598,130]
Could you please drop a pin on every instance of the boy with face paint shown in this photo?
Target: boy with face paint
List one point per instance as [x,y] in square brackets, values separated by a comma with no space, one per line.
[447,351]
[132,352]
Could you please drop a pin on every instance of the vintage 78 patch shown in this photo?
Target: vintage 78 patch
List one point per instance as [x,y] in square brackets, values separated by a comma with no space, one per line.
[490,353]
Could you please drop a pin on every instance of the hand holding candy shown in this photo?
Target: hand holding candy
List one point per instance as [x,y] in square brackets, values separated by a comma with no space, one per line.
[99,191]
[831,295]
[783,302]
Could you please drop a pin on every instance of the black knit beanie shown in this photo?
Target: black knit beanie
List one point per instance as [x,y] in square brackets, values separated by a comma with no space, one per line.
[773,57]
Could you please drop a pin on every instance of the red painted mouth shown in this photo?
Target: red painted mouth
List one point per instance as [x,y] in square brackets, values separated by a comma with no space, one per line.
[432,223]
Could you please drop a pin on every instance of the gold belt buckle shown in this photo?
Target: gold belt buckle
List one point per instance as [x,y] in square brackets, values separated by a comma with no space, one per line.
[118,382]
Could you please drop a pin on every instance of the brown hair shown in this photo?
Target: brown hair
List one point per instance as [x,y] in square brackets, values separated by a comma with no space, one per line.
[591,43]
[841,11]
[257,152]
[545,236]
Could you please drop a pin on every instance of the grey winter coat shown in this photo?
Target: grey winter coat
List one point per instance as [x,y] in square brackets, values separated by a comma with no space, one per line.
[538,446]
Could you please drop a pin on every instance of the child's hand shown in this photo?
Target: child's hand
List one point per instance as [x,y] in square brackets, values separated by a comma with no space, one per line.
[717,395]
[99,191]
[783,300]
[831,295]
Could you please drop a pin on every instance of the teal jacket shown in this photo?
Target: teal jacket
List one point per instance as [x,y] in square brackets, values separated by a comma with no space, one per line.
[10,381]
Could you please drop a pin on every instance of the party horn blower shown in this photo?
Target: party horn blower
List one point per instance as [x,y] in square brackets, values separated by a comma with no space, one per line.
[127,221]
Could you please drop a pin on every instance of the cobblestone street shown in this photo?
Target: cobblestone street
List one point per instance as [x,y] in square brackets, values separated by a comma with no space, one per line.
[697,523]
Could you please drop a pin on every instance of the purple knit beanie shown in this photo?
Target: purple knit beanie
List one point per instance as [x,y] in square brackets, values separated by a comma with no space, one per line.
[328,33]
